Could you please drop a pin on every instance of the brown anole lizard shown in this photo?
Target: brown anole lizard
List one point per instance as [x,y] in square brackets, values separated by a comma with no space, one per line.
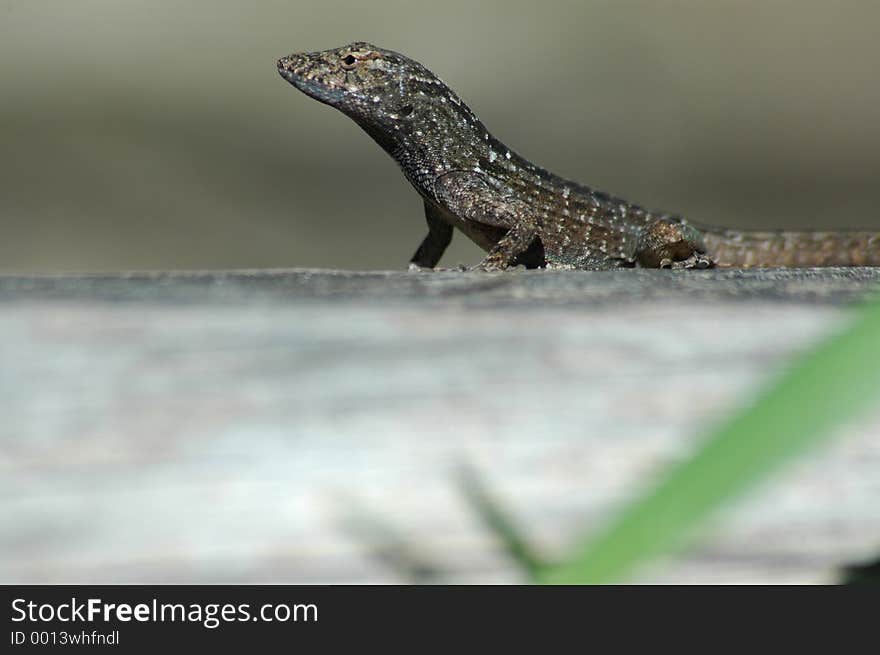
[516,211]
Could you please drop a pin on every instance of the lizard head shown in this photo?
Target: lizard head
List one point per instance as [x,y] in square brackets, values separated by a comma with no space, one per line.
[360,79]
[407,109]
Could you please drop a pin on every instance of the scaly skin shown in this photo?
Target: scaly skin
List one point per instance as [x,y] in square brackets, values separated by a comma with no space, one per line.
[516,211]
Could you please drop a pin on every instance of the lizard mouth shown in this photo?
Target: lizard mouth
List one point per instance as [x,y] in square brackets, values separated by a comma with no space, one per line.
[308,80]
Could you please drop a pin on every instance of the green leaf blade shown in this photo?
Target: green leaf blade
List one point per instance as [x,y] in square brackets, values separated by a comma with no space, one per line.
[827,386]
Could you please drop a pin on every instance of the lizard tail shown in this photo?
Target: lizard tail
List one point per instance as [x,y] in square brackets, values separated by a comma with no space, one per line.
[763,249]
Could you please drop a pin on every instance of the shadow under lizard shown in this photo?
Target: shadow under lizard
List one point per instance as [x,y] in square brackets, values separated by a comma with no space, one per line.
[516,211]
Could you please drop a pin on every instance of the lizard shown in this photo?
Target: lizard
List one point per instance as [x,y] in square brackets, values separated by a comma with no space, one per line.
[516,211]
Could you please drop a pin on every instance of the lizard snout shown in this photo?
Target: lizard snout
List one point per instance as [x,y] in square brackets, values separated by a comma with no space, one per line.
[283,64]
[286,68]
[311,77]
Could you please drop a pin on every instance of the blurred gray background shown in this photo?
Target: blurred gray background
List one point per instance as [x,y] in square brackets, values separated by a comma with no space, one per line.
[153,134]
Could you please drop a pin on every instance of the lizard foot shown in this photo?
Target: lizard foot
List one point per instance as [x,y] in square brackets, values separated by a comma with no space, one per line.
[484,268]
[492,263]
[666,243]
[696,260]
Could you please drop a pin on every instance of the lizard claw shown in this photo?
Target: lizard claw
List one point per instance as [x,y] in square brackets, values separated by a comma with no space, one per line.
[487,267]
[696,260]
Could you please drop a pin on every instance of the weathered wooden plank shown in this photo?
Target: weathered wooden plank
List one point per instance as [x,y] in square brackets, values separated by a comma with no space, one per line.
[228,427]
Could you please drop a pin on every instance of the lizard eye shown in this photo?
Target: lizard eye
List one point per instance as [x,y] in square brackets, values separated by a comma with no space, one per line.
[349,61]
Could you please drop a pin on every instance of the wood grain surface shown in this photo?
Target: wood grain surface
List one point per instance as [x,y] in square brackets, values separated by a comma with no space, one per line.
[306,426]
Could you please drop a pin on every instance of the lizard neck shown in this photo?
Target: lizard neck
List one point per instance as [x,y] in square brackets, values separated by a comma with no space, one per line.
[429,133]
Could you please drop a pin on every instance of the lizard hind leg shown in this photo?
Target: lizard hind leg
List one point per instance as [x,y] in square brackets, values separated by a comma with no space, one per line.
[667,243]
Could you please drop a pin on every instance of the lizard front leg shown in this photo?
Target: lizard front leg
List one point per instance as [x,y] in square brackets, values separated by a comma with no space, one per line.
[509,248]
[471,198]
[435,243]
